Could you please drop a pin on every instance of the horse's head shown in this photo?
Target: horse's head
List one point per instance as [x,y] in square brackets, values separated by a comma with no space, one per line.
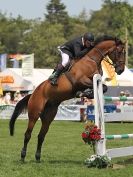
[117,55]
[115,49]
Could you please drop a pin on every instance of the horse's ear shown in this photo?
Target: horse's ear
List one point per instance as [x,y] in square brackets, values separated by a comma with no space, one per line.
[117,41]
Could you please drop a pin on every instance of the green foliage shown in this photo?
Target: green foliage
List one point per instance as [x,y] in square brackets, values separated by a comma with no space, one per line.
[98,161]
[42,37]
[56,12]
[77,27]
[114,18]
[11,33]
[43,41]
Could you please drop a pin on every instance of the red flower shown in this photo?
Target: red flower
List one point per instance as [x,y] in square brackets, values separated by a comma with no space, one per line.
[91,134]
[84,135]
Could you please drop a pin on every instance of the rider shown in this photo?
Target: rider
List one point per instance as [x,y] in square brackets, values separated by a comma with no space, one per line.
[73,49]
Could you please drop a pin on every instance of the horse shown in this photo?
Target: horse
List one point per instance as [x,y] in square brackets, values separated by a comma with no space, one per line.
[44,101]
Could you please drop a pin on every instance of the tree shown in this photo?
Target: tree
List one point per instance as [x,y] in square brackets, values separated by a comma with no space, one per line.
[58,15]
[77,27]
[43,41]
[56,12]
[11,33]
[114,18]
[3,26]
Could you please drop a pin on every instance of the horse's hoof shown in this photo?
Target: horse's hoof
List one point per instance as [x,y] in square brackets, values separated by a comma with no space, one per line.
[22,160]
[23,154]
[89,96]
[88,93]
[38,161]
[38,157]
[78,94]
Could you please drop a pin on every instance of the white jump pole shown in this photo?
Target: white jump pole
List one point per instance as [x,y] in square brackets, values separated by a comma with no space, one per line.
[99,113]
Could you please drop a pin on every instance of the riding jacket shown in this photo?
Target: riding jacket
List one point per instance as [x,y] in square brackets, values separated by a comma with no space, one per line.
[75,48]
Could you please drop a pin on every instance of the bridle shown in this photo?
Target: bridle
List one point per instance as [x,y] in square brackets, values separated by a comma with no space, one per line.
[119,62]
[104,56]
[110,51]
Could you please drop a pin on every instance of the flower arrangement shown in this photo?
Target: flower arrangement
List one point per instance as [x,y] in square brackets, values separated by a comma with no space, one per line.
[92,134]
[98,161]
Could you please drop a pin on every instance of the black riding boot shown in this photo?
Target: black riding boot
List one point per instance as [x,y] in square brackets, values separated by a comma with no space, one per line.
[53,79]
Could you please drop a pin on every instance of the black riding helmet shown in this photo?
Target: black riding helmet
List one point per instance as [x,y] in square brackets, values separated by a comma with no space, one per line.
[89,37]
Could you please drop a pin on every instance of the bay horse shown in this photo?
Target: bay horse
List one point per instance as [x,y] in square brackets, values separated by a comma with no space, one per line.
[45,99]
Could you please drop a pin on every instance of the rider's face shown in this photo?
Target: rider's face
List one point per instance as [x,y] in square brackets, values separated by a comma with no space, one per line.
[89,43]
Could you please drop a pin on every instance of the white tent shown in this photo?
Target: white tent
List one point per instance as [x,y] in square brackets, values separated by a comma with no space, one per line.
[19,83]
[39,75]
[126,78]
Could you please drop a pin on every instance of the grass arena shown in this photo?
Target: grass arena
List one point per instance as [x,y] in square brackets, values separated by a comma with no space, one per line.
[64,152]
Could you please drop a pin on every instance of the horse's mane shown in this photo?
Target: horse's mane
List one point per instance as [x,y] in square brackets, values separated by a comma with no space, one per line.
[107,37]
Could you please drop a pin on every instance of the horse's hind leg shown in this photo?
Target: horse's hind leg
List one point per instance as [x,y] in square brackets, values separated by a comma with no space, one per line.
[27,137]
[47,117]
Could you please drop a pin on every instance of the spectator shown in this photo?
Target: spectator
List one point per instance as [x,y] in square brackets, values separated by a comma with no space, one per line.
[128,94]
[2,100]
[121,95]
[83,111]
[8,98]
[17,96]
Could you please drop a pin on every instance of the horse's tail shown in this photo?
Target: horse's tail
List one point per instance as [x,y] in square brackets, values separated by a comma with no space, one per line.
[19,108]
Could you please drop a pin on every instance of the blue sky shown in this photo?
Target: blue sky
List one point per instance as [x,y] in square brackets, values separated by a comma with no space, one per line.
[30,9]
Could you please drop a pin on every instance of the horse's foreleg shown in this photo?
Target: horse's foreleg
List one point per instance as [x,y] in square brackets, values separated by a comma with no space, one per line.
[89,93]
[46,118]
[27,138]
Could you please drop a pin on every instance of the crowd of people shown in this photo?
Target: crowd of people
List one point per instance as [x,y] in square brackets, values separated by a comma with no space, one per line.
[124,94]
[11,98]
[90,102]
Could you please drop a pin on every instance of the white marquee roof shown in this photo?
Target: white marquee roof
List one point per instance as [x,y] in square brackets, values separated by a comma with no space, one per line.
[40,75]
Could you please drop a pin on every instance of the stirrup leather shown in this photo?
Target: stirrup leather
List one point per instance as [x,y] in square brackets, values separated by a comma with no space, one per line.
[53,81]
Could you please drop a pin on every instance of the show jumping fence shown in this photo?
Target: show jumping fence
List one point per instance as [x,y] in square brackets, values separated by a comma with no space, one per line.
[100,122]
[108,98]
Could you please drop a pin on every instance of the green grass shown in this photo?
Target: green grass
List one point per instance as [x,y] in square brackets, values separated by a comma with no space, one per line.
[63,154]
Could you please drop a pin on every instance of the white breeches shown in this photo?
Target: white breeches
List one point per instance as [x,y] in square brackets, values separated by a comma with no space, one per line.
[65,59]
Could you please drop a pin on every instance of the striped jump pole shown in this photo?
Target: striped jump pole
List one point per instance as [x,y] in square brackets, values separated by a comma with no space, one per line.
[108,98]
[122,136]
[99,121]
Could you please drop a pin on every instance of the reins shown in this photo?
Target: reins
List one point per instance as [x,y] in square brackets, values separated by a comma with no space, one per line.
[103,56]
